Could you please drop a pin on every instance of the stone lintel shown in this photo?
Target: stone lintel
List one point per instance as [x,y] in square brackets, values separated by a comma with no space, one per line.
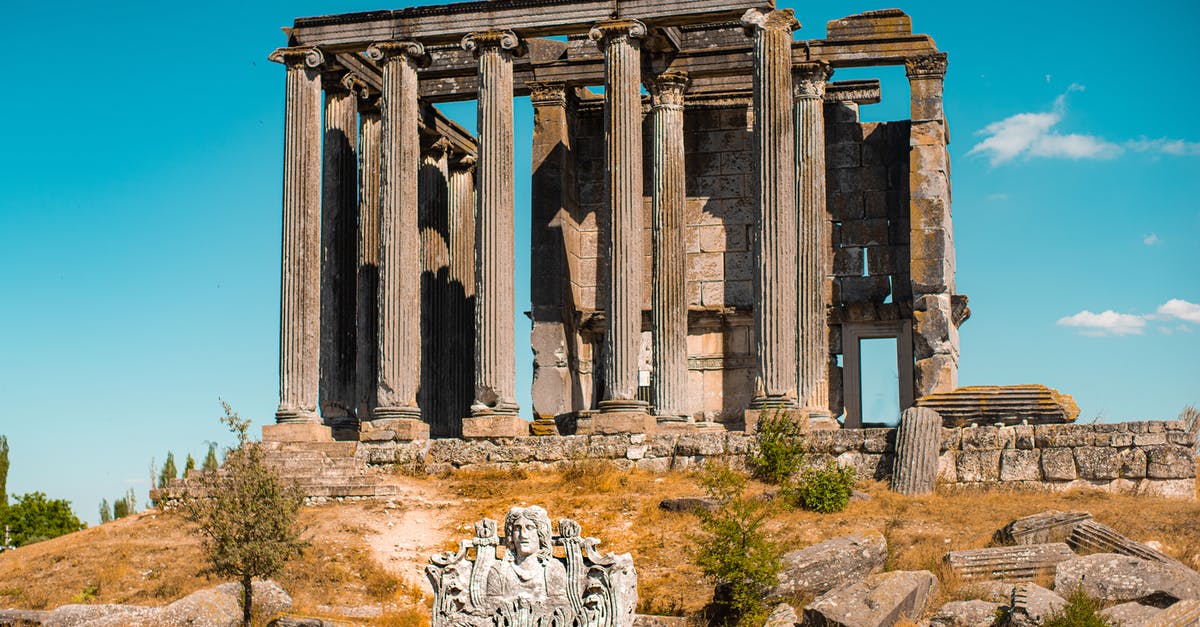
[297,432]
[495,426]
[871,24]
[612,423]
[394,430]
[859,92]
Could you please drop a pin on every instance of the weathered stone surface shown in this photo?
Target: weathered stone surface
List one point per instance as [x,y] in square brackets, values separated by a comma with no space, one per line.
[616,423]
[494,426]
[1097,462]
[966,614]
[103,615]
[20,618]
[1120,578]
[646,620]
[219,606]
[825,566]
[978,466]
[1170,462]
[1181,614]
[1130,614]
[1020,465]
[1011,404]
[880,600]
[296,432]
[689,504]
[1031,605]
[783,615]
[1019,563]
[918,444]
[1090,536]
[1040,528]
[1058,464]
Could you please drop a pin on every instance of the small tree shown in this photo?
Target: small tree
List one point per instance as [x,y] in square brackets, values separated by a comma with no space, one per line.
[120,508]
[3,471]
[33,518]
[210,460]
[105,511]
[780,448]
[168,470]
[244,514]
[189,466]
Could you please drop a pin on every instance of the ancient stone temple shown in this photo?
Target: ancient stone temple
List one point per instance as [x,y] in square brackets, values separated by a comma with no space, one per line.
[714,230]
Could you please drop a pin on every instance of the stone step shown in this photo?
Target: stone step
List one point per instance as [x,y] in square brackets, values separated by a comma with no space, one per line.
[1009,563]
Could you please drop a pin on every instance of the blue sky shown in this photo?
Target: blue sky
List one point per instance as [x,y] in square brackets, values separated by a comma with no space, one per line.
[139,228]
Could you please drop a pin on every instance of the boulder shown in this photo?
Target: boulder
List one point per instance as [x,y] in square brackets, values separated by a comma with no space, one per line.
[1180,614]
[878,601]
[1130,614]
[211,607]
[269,598]
[825,566]
[1031,605]
[689,504]
[105,615]
[18,618]
[1121,578]
[783,615]
[966,614]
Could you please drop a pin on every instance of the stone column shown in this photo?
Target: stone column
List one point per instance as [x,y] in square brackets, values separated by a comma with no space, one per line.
[367,304]
[433,178]
[397,415]
[300,303]
[495,358]
[669,373]
[621,43]
[813,261]
[339,199]
[461,313]
[775,241]
[931,235]
[548,290]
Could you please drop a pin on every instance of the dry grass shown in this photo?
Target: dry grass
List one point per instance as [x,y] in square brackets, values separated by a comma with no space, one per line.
[151,559]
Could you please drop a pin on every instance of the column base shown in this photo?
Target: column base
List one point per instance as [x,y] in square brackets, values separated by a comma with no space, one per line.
[674,419]
[494,426]
[773,401]
[615,422]
[296,416]
[393,430]
[623,405]
[543,426]
[297,432]
[501,408]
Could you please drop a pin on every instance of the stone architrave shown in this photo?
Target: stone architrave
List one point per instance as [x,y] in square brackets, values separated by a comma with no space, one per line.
[367,304]
[339,218]
[495,361]
[528,584]
[775,243]
[300,304]
[669,368]
[621,42]
[1009,563]
[813,259]
[931,234]
[399,364]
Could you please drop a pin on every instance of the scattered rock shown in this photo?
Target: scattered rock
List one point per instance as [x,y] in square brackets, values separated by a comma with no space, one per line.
[1130,614]
[1047,526]
[825,566]
[19,618]
[1183,613]
[966,614]
[1013,563]
[689,504]
[783,615]
[1031,605]
[859,495]
[269,598]
[879,600]
[106,615]
[1121,578]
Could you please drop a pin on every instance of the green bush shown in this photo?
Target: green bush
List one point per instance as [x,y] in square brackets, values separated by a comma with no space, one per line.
[734,551]
[1080,611]
[33,518]
[780,450]
[826,490]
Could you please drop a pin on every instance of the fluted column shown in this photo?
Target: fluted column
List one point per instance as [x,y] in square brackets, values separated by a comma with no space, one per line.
[399,329]
[621,42]
[432,182]
[300,304]
[461,313]
[495,357]
[339,191]
[775,244]
[367,303]
[815,248]
[669,374]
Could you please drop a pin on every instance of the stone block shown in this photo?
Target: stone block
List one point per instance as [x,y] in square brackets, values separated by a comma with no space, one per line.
[1170,462]
[606,423]
[938,373]
[1120,578]
[966,614]
[1041,528]
[864,289]
[482,427]
[1009,563]
[829,565]
[844,155]
[978,466]
[1149,439]
[980,439]
[1023,437]
[1120,438]
[848,262]
[1020,465]
[868,232]
[1061,436]
[879,600]
[297,432]
[1133,463]
[1058,464]
[1097,462]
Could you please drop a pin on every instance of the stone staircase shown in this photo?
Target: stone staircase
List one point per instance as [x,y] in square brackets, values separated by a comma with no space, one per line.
[322,470]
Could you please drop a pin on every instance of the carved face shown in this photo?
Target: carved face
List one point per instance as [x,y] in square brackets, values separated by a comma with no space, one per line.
[527,532]
[525,539]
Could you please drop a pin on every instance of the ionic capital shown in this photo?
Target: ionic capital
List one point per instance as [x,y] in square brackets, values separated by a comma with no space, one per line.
[604,33]
[544,93]
[465,163]
[299,56]
[808,79]
[779,19]
[667,90]
[928,66]
[385,51]
[439,147]
[502,40]
[356,85]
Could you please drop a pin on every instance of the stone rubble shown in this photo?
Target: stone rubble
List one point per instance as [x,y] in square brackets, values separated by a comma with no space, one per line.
[815,570]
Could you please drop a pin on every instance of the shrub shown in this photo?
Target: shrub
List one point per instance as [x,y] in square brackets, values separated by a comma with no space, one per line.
[734,551]
[826,490]
[780,450]
[33,518]
[1080,611]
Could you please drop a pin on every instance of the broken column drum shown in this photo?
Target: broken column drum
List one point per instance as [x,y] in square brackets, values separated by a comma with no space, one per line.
[918,446]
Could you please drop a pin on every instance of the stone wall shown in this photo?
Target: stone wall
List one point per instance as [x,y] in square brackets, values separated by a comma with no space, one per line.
[1153,457]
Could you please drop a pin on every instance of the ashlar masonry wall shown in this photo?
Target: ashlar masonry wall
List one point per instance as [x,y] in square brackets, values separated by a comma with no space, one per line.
[1153,457]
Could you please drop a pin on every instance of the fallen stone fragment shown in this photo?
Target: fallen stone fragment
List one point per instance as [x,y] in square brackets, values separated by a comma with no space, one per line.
[1011,563]
[1047,526]
[1121,578]
[689,504]
[1093,537]
[1181,614]
[878,601]
[825,566]
[1008,404]
[783,615]
[1130,614]
[19,618]
[106,615]
[1031,605]
[966,614]
[918,445]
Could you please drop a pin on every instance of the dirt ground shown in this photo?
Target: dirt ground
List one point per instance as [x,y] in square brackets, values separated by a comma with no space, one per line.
[366,559]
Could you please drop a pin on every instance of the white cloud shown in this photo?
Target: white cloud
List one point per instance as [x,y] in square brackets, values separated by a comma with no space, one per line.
[1181,309]
[1151,239]
[1105,323]
[1033,135]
